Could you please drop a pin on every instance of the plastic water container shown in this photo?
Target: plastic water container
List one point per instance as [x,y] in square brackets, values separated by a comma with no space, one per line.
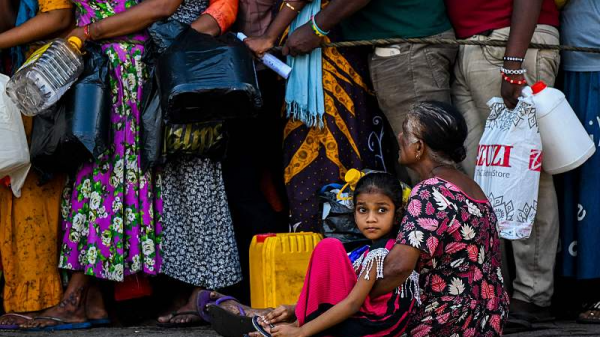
[46,75]
[565,142]
[278,265]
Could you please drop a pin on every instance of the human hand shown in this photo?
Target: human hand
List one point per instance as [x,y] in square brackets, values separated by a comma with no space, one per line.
[302,41]
[283,313]
[287,331]
[259,45]
[511,92]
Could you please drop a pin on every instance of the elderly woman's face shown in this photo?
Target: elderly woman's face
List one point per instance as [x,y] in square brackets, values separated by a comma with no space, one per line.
[407,154]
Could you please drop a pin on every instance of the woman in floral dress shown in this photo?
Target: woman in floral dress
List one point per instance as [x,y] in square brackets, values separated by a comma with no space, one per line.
[111,211]
[448,232]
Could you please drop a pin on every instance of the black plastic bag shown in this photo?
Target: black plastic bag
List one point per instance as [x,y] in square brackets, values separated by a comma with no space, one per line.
[53,148]
[151,126]
[77,128]
[339,222]
[88,103]
[202,78]
[164,33]
[206,139]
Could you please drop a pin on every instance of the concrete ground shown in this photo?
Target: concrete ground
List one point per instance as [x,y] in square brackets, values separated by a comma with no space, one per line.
[559,328]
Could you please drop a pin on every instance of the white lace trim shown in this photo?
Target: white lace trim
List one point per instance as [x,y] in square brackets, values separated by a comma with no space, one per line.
[375,256]
[411,288]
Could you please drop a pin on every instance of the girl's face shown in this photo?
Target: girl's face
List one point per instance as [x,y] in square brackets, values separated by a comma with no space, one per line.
[374,214]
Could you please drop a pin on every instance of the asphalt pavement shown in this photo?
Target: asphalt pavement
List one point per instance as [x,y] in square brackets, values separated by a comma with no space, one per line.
[555,329]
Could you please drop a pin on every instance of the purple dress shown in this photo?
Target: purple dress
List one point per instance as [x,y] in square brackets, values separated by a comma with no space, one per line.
[112,211]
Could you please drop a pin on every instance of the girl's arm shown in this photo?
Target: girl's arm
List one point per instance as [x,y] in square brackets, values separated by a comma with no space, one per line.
[335,315]
[260,45]
[43,25]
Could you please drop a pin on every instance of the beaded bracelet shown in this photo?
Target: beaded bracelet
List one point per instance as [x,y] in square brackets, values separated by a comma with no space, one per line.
[316,29]
[86,32]
[513,71]
[513,59]
[511,81]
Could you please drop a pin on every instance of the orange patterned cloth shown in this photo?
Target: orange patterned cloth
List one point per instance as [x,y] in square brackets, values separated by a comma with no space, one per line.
[224,12]
[29,232]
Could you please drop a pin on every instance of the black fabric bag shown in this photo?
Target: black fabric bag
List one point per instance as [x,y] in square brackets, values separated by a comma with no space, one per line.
[77,128]
[202,79]
[151,126]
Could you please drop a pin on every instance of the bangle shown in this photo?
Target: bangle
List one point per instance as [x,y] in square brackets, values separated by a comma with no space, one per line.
[511,81]
[86,32]
[513,59]
[287,4]
[316,29]
[513,71]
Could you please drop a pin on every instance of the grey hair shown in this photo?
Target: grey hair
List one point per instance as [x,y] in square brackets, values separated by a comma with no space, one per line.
[414,126]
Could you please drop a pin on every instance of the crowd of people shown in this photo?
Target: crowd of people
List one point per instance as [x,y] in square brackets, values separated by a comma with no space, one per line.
[436,266]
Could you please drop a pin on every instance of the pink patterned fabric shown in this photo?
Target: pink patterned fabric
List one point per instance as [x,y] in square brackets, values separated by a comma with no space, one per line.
[329,280]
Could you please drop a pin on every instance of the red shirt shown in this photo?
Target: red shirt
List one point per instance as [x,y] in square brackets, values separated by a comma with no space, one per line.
[470,17]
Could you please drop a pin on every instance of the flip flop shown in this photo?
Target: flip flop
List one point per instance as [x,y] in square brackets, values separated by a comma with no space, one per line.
[13,326]
[226,323]
[259,327]
[100,322]
[62,326]
[170,325]
[203,299]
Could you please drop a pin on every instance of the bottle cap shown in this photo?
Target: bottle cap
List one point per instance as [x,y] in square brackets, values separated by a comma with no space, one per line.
[538,86]
[76,42]
[262,237]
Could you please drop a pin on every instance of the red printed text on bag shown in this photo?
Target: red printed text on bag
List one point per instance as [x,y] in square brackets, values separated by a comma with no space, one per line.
[494,155]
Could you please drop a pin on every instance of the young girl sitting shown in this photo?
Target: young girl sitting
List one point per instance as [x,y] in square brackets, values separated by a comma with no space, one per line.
[335,299]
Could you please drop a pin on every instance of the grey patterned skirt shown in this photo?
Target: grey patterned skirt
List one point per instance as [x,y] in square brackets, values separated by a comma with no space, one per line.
[198,245]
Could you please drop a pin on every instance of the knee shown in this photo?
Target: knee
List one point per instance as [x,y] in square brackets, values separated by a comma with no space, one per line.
[329,246]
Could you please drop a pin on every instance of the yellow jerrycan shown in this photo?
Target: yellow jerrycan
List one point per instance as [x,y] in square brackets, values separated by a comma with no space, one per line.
[278,264]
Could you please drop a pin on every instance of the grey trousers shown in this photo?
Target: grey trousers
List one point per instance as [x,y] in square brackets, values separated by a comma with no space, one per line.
[416,73]
[478,79]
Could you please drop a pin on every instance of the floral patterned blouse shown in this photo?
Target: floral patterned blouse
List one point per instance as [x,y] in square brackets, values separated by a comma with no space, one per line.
[460,276]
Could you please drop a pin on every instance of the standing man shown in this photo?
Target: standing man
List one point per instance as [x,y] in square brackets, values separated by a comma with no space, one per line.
[402,74]
[478,79]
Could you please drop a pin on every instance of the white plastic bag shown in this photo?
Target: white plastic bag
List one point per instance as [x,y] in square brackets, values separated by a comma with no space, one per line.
[14,151]
[509,163]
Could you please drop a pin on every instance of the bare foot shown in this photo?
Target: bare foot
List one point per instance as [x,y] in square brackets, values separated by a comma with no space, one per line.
[94,304]
[190,306]
[234,306]
[70,309]
[17,318]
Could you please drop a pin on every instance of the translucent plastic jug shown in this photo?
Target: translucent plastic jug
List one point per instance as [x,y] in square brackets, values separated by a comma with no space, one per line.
[46,76]
[565,143]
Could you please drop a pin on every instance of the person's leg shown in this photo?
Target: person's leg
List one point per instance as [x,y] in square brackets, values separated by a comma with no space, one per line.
[188,313]
[535,257]
[412,73]
[71,309]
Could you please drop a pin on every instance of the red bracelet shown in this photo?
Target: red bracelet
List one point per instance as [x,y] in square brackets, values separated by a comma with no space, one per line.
[511,81]
[86,32]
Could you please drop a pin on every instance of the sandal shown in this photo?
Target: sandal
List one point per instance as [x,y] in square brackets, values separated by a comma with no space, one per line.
[259,327]
[591,315]
[202,300]
[62,325]
[13,326]
[226,323]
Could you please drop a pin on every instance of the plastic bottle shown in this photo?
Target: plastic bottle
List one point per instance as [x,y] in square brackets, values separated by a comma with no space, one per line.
[46,75]
[565,142]
[271,61]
